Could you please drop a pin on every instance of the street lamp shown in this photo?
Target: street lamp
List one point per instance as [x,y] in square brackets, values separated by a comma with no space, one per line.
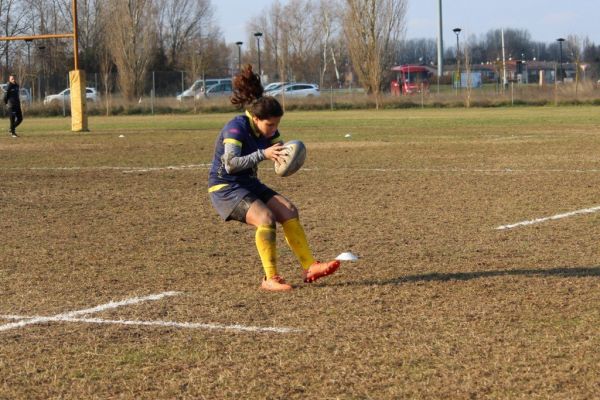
[457,32]
[239,45]
[560,42]
[258,36]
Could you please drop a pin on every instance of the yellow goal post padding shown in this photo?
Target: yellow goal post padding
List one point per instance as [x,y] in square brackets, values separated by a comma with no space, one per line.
[78,109]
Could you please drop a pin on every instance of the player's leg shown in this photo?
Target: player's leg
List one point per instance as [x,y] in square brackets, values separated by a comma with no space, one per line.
[18,117]
[286,213]
[251,210]
[260,216]
[12,116]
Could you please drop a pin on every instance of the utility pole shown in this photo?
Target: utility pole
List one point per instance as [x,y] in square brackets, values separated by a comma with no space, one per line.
[258,35]
[504,81]
[440,46]
[239,45]
[458,77]
[560,72]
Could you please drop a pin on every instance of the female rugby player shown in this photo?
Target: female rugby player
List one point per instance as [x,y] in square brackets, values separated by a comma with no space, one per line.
[237,193]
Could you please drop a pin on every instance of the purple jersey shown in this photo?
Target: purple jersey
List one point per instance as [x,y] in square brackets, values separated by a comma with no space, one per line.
[239,132]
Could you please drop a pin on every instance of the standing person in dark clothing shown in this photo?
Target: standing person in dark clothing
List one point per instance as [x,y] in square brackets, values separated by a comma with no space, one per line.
[13,103]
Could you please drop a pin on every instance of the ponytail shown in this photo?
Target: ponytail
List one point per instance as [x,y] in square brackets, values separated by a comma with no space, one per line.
[248,93]
[246,87]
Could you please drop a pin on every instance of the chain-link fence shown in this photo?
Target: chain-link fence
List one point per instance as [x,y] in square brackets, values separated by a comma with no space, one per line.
[157,83]
[161,89]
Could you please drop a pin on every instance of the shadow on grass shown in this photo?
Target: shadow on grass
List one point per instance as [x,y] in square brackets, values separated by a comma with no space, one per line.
[565,272]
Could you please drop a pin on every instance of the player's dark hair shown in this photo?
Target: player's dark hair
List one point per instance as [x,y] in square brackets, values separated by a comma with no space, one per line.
[248,93]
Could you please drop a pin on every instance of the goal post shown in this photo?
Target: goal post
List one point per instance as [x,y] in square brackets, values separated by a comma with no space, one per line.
[78,105]
[76,76]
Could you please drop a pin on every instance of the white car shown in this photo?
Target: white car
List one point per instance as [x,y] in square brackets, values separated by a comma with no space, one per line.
[25,95]
[197,89]
[274,86]
[90,95]
[296,90]
[221,89]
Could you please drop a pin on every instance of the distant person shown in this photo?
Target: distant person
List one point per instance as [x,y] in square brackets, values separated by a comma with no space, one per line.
[13,104]
[237,193]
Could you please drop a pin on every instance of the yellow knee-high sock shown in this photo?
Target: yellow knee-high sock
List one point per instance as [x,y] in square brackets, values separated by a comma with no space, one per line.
[296,239]
[267,249]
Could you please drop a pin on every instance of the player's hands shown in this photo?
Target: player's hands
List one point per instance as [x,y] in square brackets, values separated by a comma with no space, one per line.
[275,152]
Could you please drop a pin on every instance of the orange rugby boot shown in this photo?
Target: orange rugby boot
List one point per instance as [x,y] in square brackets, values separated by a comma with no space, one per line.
[275,284]
[320,269]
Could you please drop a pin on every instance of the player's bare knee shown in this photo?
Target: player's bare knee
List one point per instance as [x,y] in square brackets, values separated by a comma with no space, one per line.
[293,211]
[267,218]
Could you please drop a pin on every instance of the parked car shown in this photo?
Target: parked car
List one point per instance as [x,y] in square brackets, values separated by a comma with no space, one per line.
[25,95]
[274,86]
[296,90]
[198,88]
[221,89]
[90,95]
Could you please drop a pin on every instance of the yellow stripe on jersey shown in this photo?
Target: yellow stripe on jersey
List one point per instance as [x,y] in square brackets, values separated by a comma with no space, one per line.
[233,141]
[217,187]
[254,130]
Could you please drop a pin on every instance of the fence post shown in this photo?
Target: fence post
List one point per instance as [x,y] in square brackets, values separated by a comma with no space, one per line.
[512,93]
[69,86]
[331,97]
[152,94]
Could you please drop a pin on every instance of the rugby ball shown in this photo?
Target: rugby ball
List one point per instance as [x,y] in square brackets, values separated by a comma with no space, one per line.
[293,158]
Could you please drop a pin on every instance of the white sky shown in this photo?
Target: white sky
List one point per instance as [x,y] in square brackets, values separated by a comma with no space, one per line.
[546,20]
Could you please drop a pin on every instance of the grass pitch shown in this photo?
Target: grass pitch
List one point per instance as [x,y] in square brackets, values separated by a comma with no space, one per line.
[441,304]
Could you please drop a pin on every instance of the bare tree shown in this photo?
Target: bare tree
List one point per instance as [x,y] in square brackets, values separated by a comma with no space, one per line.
[290,33]
[49,17]
[329,24]
[90,26]
[181,21]
[106,66]
[302,38]
[13,22]
[132,38]
[106,63]
[270,23]
[372,29]
[468,60]
[575,47]
[206,54]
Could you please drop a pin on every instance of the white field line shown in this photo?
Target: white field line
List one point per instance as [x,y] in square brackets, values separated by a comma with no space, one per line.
[112,168]
[459,170]
[168,324]
[385,170]
[72,314]
[169,168]
[557,216]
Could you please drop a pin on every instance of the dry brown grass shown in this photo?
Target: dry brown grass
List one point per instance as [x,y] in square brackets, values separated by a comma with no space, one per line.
[440,304]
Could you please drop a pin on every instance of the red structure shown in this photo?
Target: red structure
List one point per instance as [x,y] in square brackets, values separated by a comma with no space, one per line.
[411,79]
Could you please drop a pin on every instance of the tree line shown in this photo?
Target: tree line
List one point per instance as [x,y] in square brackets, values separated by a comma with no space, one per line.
[330,42]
